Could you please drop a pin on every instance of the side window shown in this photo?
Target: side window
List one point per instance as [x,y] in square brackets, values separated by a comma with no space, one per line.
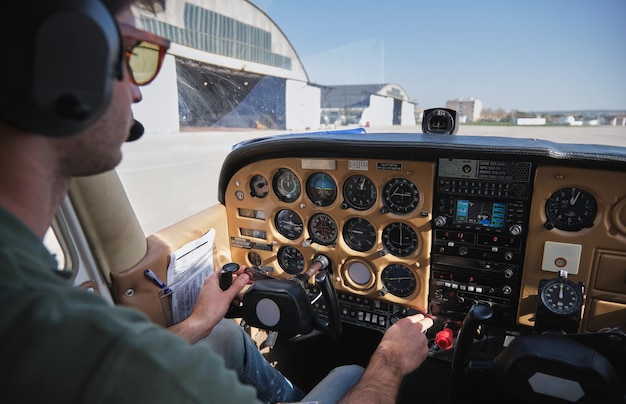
[56,242]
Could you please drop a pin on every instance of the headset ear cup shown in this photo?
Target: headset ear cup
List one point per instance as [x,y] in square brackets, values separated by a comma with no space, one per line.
[76,58]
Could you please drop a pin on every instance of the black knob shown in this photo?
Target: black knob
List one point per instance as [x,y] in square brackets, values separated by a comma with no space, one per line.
[226,274]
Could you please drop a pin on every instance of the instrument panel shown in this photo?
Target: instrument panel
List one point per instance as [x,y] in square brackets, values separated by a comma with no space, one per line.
[370,218]
[437,234]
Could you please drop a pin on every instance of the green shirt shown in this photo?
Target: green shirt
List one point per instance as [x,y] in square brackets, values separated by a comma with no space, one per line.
[62,344]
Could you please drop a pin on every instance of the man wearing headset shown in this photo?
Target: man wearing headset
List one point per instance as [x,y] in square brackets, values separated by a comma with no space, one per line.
[66,89]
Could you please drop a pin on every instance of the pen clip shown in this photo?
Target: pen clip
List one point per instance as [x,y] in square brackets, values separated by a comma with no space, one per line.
[157,281]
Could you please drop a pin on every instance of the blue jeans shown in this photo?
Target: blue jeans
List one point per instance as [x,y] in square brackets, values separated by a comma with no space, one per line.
[241,354]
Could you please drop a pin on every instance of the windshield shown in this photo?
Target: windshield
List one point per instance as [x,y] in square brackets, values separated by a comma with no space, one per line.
[243,69]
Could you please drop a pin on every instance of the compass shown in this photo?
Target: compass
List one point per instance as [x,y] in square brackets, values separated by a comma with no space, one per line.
[440,121]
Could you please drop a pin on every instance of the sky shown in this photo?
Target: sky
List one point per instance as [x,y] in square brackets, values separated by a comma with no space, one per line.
[525,55]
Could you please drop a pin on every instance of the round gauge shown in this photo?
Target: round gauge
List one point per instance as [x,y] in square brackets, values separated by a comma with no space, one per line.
[359,192]
[399,280]
[290,259]
[255,258]
[359,234]
[400,196]
[399,239]
[323,229]
[561,297]
[571,209]
[259,187]
[439,121]
[359,275]
[286,185]
[321,189]
[289,224]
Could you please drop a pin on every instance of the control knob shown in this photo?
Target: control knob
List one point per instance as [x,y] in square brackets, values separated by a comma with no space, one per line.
[516,229]
[440,221]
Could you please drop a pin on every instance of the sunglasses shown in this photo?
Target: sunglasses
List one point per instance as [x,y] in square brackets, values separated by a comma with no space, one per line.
[145,57]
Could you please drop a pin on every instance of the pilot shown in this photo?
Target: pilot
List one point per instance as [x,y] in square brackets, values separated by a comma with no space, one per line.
[65,111]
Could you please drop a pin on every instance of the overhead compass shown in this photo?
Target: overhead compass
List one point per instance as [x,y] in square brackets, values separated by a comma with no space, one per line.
[440,121]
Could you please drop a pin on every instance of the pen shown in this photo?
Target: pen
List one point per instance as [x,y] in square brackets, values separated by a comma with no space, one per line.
[154,278]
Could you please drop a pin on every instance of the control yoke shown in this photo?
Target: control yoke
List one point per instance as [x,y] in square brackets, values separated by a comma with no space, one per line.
[531,364]
[283,304]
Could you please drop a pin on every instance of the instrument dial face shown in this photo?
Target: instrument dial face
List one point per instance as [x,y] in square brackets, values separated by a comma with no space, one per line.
[359,192]
[286,185]
[399,239]
[401,196]
[399,280]
[259,187]
[290,259]
[571,209]
[561,297]
[440,121]
[255,258]
[359,275]
[289,224]
[321,189]
[359,234]
[323,229]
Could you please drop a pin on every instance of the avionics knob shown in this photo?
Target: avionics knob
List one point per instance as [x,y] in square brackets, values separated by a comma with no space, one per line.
[507,290]
[508,273]
[440,221]
[516,229]
[508,256]
[463,251]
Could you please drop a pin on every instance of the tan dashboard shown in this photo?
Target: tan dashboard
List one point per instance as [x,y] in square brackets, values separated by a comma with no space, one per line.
[286,211]
[380,223]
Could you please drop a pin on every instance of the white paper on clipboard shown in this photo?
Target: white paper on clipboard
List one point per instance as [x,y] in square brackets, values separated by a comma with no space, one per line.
[189,266]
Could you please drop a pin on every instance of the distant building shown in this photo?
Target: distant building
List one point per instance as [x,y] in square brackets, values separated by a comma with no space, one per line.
[367,105]
[469,109]
[619,120]
[530,121]
[568,120]
[230,65]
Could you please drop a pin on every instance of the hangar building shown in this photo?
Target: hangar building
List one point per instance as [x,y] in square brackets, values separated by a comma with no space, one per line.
[231,66]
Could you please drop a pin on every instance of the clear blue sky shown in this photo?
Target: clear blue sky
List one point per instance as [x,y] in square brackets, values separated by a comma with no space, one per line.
[527,55]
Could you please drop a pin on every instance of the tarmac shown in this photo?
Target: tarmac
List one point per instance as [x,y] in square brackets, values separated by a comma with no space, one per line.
[169,177]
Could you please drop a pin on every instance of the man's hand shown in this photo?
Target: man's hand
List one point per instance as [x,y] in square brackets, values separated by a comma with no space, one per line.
[402,350]
[211,306]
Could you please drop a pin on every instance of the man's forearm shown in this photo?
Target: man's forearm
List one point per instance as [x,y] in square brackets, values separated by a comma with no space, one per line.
[190,330]
[379,384]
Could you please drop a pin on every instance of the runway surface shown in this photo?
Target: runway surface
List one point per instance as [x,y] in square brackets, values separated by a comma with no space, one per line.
[169,177]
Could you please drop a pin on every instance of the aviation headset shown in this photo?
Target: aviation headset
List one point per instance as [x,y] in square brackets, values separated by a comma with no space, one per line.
[60,64]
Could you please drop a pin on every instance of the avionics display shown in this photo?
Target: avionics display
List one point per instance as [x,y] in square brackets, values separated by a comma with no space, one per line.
[480,212]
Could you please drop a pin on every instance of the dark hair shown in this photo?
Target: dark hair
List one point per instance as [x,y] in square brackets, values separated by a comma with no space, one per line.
[151,5]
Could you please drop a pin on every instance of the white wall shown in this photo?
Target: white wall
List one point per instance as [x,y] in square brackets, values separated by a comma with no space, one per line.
[408,114]
[303,105]
[530,121]
[158,111]
[379,113]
